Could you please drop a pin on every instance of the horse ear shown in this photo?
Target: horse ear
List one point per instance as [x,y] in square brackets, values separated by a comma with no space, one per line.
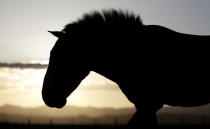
[57,33]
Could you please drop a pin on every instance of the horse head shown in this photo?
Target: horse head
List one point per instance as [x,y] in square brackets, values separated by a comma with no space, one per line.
[63,74]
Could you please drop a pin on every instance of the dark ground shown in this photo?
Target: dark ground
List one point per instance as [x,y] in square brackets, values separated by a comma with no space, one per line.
[36,126]
[24,126]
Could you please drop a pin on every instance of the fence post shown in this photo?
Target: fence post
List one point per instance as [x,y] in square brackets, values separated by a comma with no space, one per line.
[51,121]
[116,121]
[72,120]
[28,121]
[181,121]
[95,121]
[204,120]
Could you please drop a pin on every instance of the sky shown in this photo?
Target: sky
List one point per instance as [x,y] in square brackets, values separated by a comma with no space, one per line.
[24,23]
[24,37]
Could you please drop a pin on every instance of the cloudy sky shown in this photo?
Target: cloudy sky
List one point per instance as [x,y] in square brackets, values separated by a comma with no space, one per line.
[23,37]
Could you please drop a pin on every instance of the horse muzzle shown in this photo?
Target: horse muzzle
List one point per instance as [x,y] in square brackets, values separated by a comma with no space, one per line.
[54,101]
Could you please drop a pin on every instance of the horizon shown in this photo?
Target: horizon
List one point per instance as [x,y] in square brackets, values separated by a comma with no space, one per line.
[45,115]
[16,114]
[67,105]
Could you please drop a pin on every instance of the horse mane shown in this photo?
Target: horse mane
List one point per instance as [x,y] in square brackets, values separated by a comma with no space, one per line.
[107,17]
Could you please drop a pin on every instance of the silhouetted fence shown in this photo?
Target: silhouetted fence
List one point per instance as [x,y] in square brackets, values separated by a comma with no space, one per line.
[114,121]
[184,120]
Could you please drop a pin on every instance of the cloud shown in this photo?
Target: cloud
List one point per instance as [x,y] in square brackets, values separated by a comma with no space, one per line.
[7,87]
[23,65]
[96,81]
[21,79]
[98,87]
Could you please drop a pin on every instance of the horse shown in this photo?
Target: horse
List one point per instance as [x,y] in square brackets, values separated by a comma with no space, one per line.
[153,65]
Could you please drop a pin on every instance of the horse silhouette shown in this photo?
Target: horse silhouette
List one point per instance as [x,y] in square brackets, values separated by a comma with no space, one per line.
[153,65]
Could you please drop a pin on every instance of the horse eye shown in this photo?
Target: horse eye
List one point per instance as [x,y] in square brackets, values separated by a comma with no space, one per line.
[64,32]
